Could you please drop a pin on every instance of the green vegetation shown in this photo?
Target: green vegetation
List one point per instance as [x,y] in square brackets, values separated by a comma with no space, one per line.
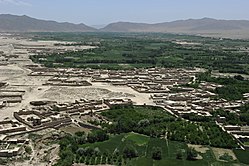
[28,149]
[120,150]
[157,153]
[241,118]
[148,135]
[125,51]
[152,121]
[246,143]
[152,137]
[191,154]
[242,155]
[244,114]
[138,138]
[233,88]
[69,145]
[226,157]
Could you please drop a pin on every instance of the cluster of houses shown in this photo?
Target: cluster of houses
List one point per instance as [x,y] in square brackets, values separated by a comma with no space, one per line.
[66,81]
[54,115]
[197,101]
[165,86]
[49,114]
[152,80]
[12,147]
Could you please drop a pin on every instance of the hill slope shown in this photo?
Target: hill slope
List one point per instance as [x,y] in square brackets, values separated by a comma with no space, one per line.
[205,26]
[12,23]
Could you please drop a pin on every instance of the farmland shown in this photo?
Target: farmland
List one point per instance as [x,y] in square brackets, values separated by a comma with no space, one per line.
[139,119]
[126,51]
[110,152]
[124,143]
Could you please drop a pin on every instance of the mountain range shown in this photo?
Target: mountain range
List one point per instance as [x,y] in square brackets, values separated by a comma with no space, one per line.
[13,23]
[204,26]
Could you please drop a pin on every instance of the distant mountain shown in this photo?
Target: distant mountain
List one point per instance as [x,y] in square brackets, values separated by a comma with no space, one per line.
[13,23]
[204,26]
[98,26]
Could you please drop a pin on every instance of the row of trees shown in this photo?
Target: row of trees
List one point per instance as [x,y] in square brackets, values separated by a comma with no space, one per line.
[73,151]
[69,145]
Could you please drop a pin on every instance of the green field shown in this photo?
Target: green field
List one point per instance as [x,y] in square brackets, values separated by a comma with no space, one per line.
[144,146]
[138,139]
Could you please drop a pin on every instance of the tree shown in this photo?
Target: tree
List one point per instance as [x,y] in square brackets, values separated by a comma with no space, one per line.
[191,154]
[101,135]
[66,158]
[91,138]
[97,136]
[81,140]
[80,133]
[28,149]
[179,155]
[239,77]
[157,153]
[130,152]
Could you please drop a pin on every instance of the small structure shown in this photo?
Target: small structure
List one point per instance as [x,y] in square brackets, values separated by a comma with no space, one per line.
[118,102]
[12,147]
[232,128]
[35,119]
[11,126]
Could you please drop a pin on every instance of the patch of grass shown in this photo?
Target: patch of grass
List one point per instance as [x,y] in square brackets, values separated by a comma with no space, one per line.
[138,138]
[242,155]
[109,145]
[111,151]
[155,142]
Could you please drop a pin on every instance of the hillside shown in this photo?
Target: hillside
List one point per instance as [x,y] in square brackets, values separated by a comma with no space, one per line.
[13,23]
[204,26]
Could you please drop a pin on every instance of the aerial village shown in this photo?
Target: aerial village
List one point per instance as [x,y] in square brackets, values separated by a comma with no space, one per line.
[35,98]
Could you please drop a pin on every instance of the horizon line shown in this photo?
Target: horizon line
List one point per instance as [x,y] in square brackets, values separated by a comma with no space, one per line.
[120,21]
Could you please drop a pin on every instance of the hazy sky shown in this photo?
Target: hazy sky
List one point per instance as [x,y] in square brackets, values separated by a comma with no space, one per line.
[97,12]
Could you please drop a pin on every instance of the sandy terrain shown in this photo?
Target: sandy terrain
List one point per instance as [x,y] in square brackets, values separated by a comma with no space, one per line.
[16,75]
